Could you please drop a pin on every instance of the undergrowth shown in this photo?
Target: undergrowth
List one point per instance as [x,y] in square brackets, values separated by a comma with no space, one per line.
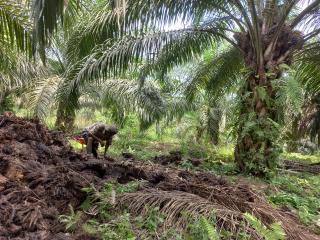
[99,216]
[300,193]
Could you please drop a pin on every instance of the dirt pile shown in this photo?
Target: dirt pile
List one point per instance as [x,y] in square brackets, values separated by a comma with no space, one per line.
[40,176]
[175,158]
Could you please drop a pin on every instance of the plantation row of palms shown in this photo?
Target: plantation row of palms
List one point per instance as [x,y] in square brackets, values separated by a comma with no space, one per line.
[257,60]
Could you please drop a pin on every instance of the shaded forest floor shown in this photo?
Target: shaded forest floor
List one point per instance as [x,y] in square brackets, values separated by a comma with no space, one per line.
[49,191]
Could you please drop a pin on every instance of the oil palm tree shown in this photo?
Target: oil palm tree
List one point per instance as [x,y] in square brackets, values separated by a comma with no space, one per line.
[22,36]
[269,35]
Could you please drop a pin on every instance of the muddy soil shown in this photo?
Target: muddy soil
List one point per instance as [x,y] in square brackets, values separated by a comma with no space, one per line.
[40,175]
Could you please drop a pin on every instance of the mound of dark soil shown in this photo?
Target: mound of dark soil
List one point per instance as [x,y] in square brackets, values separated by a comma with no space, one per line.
[173,157]
[40,176]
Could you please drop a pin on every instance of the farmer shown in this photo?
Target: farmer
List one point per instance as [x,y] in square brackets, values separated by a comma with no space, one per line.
[98,133]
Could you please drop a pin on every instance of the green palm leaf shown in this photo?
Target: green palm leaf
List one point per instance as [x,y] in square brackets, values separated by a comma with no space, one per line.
[47,15]
[111,59]
[307,68]
[217,73]
[15,27]
[186,49]
[41,95]
[139,16]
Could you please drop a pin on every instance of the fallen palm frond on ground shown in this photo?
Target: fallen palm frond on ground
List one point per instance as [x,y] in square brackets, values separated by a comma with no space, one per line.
[180,208]
[302,167]
[40,176]
[228,202]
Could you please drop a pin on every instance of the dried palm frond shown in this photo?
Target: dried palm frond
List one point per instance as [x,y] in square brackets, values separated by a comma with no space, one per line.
[180,208]
[183,196]
[173,204]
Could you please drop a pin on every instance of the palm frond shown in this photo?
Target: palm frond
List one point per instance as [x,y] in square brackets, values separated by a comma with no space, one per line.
[111,59]
[162,12]
[187,49]
[174,204]
[146,102]
[308,70]
[290,92]
[72,13]
[289,97]
[216,73]
[47,15]
[179,207]
[149,103]
[15,27]
[307,14]
[96,26]
[17,71]
[106,22]
[41,95]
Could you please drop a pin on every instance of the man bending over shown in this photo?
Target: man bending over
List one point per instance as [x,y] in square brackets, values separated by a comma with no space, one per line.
[98,133]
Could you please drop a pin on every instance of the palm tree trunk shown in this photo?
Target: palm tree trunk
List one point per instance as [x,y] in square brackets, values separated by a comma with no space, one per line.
[158,129]
[256,152]
[2,101]
[6,104]
[59,118]
[65,119]
[214,119]
[293,142]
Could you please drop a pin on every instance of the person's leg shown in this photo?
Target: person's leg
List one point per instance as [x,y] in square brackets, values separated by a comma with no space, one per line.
[89,145]
[95,152]
[95,146]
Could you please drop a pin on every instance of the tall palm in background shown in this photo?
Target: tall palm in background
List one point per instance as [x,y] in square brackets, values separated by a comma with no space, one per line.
[22,36]
[15,38]
[267,34]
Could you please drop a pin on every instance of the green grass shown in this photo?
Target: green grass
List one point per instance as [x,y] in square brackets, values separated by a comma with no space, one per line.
[315,158]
